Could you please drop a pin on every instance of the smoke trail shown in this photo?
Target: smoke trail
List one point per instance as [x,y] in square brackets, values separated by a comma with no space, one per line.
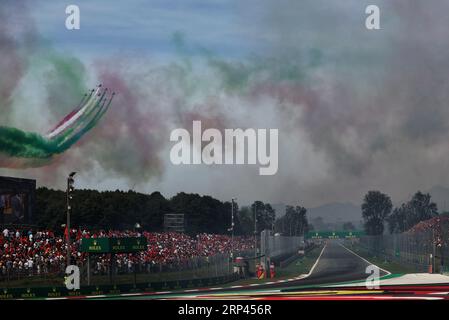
[353,111]
[27,148]
[17,143]
[16,44]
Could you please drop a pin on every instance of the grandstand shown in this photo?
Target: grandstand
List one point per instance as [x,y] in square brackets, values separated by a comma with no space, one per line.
[41,252]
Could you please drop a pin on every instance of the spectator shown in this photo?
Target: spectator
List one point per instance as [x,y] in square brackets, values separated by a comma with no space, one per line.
[42,252]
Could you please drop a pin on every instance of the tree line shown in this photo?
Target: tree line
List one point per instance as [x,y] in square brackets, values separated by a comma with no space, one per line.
[124,209]
[377,211]
[294,222]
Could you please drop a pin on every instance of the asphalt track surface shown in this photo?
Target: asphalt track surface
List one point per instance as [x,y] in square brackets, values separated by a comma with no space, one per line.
[335,264]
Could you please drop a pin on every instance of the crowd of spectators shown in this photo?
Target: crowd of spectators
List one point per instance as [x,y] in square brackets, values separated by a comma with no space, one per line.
[435,223]
[42,252]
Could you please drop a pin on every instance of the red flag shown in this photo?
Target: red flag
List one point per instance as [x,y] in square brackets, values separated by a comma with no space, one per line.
[79,235]
[66,233]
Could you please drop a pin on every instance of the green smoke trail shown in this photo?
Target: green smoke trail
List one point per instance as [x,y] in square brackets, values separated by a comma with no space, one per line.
[65,76]
[239,77]
[18,144]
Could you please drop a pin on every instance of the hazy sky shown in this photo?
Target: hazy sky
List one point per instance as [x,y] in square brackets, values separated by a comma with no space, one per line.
[356,109]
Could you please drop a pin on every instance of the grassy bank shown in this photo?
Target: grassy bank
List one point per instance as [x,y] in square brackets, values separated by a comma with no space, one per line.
[382,261]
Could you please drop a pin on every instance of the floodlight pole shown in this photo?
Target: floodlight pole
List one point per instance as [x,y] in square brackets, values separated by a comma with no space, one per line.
[255,231]
[69,190]
[232,228]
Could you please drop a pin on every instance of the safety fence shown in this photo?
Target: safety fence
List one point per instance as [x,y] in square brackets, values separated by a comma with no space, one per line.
[102,272]
[194,268]
[422,251]
[275,245]
[308,247]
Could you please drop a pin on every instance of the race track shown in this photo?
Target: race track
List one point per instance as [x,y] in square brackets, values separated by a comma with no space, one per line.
[335,264]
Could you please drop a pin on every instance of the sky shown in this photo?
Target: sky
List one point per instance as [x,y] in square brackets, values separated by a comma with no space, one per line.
[356,109]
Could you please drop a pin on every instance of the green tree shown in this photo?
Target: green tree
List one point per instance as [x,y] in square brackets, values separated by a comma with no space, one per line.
[294,222]
[376,208]
[397,221]
[204,213]
[419,208]
[121,210]
[266,215]
[245,224]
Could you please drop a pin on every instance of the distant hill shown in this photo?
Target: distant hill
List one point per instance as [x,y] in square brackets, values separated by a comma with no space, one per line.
[336,212]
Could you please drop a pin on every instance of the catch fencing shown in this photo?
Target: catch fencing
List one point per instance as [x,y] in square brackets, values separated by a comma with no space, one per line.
[273,246]
[422,250]
[102,272]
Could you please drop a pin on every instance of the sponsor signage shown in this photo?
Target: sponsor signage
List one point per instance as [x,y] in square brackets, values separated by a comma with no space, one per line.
[128,244]
[113,245]
[95,245]
[58,292]
[334,234]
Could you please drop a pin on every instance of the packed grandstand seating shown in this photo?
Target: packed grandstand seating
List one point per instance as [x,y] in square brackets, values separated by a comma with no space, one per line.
[42,252]
[435,223]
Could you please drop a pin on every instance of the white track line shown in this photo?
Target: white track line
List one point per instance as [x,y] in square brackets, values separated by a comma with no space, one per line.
[386,271]
[315,264]
[439,293]
[302,276]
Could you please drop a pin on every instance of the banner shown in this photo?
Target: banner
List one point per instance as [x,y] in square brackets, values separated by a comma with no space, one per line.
[113,245]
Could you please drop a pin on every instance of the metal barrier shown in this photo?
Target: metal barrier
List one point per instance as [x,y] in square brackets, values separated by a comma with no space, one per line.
[418,251]
[273,246]
[102,273]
